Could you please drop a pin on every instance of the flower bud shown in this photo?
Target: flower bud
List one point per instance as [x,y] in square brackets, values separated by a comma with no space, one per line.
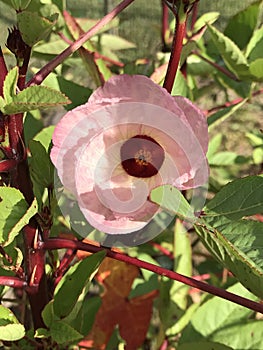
[16,44]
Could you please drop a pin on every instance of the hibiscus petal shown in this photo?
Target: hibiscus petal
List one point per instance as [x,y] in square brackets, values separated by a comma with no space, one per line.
[196,119]
[134,88]
[87,143]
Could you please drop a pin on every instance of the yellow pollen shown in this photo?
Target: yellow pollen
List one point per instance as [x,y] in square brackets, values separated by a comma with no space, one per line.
[143,157]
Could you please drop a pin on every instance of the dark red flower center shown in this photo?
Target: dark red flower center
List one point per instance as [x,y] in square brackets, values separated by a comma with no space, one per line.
[141,156]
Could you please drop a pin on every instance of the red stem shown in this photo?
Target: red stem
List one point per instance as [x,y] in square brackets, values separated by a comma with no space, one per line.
[217,66]
[44,72]
[165,24]
[231,103]
[96,54]
[37,285]
[13,282]
[59,243]
[23,69]
[162,250]
[194,15]
[176,53]
[7,165]
[64,264]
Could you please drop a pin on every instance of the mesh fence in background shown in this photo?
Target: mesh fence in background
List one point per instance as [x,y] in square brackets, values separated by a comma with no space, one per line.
[141,21]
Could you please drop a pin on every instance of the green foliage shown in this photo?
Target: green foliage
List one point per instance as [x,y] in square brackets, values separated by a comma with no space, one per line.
[204,346]
[217,317]
[242,197]
[233,57]
[70,316]
[240,28]
[71,285]
[14,214]
[234,241]
[10,328]
[172,200]
[34,97]
[33,27]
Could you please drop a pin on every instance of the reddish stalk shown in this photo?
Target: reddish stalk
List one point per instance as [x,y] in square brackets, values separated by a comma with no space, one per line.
[13,282]
[48,68]
[163,250]
[176,52]
[64,264]
[96,54]
[35,264]
[59,243]
[217,66]
[194,15]
[7,165]
[231,103]
[165,25]
[23,69]
[86,55]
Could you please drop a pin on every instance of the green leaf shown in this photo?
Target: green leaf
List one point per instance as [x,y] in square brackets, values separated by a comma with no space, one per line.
[87,23]
[51,48]
[113,42]
[208,17]
[180,85]
[183,264]
[41,168]
[90,64]
[78,94]
[35,97]
[85,318]
[204,346]
[215,315]
[103,69]
[42,333]
[247,335]
[10,83]
[16,258]
[10,328]
[227,158]
[242,197]
[45,137]
[242,88]
[197,66]
[14,213]
[231,54]
[238,246]
[33,27]
[71,285]
[214,145]
[222,115]
[256,139]
[258,155]
[255,46]
[183,321]
[48,314]
[172,200]
[2,103]
[256,69]
[32,125]
[240,28]
[63,333]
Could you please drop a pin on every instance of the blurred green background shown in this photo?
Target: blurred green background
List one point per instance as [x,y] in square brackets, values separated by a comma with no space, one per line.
[140,22]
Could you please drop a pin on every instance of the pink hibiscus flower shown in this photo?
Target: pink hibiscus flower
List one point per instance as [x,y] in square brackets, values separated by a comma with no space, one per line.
[130,137]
